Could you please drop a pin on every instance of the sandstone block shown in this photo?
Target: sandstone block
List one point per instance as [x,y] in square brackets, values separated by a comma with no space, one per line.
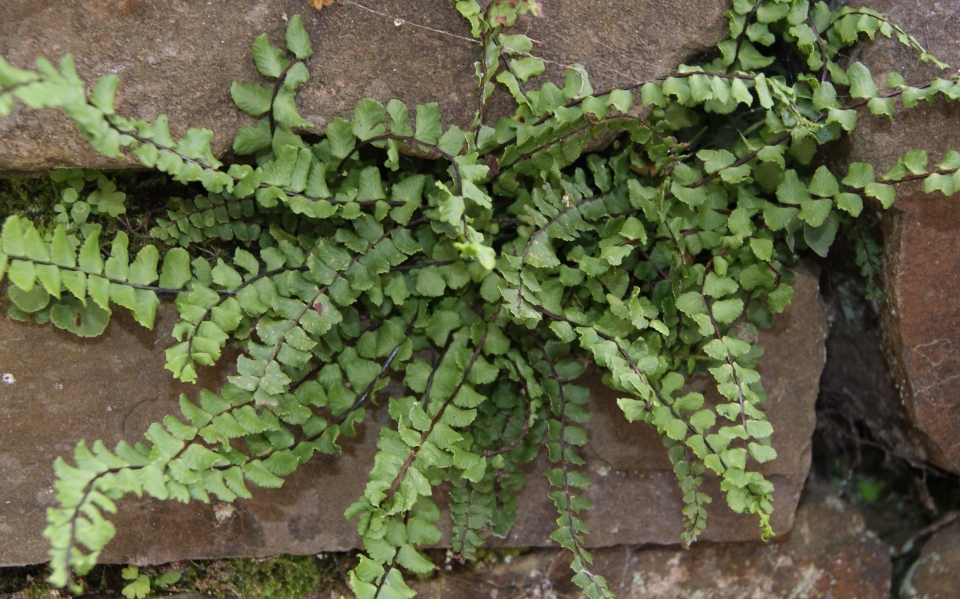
[630,469]
[62,389]
[828,555]
[856,387]
[921,318]
[179,59]
[934,574]
[936,25]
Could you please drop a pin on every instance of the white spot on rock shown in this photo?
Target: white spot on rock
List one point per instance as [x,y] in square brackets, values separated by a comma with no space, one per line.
[7,379]
[224,511]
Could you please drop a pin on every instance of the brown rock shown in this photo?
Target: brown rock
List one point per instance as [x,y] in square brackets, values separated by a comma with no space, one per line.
[629,467]
[921,320]
[65,389]
[936,25]
[856,387]
[179,59]
[829,555]
[934,574]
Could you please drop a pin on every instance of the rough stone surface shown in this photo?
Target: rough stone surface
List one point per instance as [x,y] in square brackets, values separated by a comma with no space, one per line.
[936,25]
[921,319]
[856,387]
[64,389]
[829,555]
[935,573]
[179,58]
[630,468]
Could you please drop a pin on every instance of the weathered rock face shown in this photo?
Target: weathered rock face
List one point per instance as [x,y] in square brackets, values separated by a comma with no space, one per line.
[922,319]
[631,471]
[829,554]
[934,574]
[62,389]
[179,58]
[922,322]
[936,25]
[856,387]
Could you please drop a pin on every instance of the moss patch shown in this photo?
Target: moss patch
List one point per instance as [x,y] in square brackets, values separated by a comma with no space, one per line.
[283,577]
[33,198]
[146,196]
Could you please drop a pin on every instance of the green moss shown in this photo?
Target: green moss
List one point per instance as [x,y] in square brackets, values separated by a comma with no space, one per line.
[33,198]
[148,195]
[283,577]
[40,590]
[488,556]
[24,582]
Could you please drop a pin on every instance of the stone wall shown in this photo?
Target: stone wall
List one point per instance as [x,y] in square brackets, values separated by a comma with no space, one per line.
[921,232]
[178,58]
[830,555]
[64,389]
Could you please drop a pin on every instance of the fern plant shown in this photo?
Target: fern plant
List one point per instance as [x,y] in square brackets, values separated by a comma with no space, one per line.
[484,280]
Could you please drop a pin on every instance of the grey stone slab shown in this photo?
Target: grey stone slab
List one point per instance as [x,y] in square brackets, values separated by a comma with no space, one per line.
[62,389]
[179,58]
